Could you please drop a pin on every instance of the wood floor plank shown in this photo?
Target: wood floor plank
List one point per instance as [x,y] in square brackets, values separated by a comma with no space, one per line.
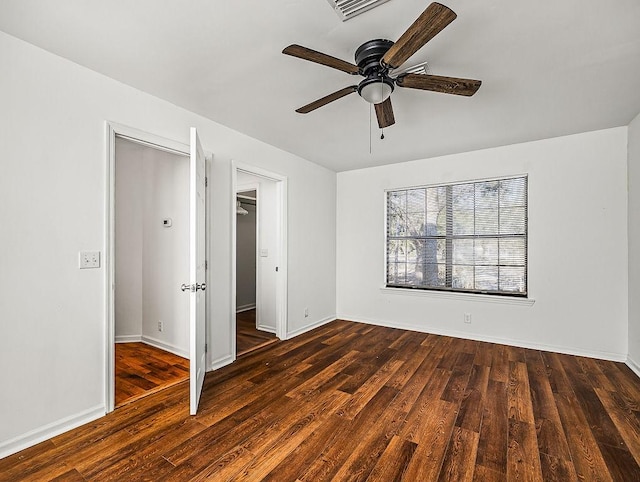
[394,461]
[523,458]
[520,404]
[552,443]
[273,446]
[484,474]
[71,476]
[369,388]
[304,454]
[329,461]
[460,459]
[555,469]
[409,367]
[370,447]
[454,391]
[626,421]
[583,386]
[499,364]
[625,382]
[493,440]
[434,436]
[585,453]
[421,412]
[351,401]
[474,399]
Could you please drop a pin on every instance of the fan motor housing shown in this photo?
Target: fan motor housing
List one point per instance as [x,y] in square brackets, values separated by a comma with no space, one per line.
[368,58]
[368,55]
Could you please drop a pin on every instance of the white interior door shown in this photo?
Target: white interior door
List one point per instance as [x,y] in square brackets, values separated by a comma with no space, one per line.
[197,337]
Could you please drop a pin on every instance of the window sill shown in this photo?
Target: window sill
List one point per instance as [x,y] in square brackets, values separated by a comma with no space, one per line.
[460,296]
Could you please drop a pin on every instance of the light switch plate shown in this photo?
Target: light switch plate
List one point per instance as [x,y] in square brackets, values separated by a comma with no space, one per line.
[89,259]
[264,253]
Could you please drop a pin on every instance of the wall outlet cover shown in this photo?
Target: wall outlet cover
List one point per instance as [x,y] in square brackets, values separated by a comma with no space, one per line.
[89,259]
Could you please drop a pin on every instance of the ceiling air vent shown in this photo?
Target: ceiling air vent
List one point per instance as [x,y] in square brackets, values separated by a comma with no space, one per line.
[347,9]
[421,68]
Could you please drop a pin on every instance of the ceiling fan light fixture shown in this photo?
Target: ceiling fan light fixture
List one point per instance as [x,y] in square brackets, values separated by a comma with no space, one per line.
[375,90]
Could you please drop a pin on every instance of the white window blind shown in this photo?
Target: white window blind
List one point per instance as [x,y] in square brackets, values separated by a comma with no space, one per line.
[469,237]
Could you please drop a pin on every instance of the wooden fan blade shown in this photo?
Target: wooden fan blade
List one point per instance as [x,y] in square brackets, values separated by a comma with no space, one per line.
[438,83]
[384,113]
[320,58]
[435,18]
[325,100]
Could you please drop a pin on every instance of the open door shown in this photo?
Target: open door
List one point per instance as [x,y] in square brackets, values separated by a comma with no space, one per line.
[197,285]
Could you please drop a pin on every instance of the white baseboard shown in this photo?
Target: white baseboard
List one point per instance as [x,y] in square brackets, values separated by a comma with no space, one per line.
[242,308]
[309,327]
[631,363]
[602,355]
[128,338]
[50,430]
[268,329]
[221,362]
[165,346]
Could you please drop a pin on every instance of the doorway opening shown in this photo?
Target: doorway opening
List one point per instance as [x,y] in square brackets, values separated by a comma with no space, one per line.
[151,255]
[135,279]
[250,335]
[259,258]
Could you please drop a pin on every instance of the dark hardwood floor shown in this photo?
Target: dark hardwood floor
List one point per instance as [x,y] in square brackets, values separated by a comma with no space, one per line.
[142,369]
[248,337]
[350,401]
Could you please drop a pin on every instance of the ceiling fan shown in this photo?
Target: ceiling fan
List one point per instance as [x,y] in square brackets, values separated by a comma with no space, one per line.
[377,59]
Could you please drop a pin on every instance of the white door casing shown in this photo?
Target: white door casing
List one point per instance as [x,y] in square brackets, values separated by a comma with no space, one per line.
[281,250]
[114,130]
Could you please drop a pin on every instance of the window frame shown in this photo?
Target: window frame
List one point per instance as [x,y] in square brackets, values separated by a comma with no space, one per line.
[451,291]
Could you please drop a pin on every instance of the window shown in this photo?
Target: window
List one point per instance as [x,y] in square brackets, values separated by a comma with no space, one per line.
[469,237]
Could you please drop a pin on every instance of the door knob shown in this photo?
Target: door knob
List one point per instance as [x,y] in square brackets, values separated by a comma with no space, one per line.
[193,288]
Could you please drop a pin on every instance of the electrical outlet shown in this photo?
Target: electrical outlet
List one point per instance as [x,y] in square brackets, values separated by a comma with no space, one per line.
[467,317]
[89,259]
[306,312]
[160,326]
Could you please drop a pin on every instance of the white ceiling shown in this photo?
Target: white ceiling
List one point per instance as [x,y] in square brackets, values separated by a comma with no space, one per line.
[549,68]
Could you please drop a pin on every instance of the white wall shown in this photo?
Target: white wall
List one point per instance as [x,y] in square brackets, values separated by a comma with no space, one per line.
[165,251]
[577,246]
[246,257]
[52,199]
[129,209]
[634,243]
[152,260]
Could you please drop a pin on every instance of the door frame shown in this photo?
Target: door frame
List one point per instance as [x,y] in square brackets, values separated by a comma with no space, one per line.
[282,251]
[114,130]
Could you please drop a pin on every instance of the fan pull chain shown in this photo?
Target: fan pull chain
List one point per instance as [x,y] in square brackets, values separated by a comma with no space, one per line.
[370,126]
[381,94]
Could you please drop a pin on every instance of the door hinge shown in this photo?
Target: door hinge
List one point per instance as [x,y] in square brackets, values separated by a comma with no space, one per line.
[206,348]
[206,181]
[276,268]
[206,264]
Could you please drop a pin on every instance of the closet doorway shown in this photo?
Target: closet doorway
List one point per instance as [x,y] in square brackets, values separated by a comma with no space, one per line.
[255,322]
[151,254]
